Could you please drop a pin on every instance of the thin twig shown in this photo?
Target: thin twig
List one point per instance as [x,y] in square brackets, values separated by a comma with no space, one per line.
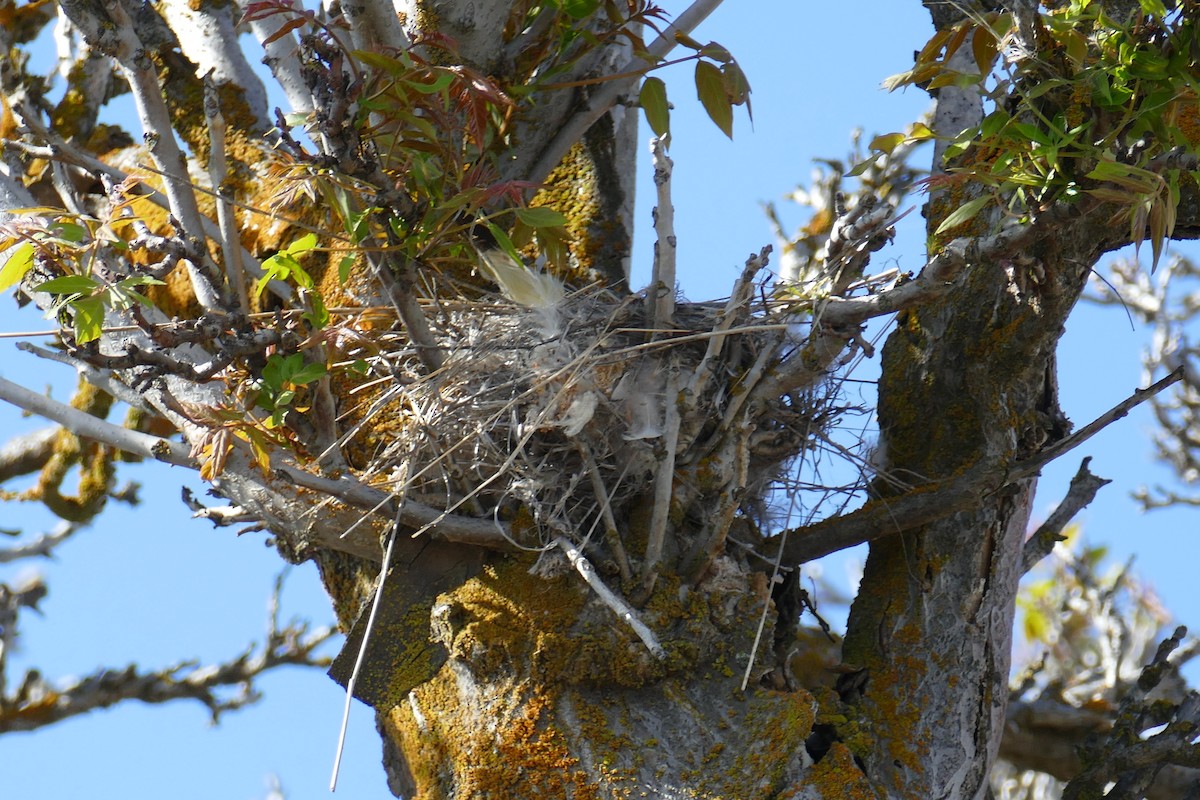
[43,545]
[399,289]
[739,298]
[612,534]
[762,621]
[231,247]
[362,649]
[930,502]
[1034,464]
[606,595]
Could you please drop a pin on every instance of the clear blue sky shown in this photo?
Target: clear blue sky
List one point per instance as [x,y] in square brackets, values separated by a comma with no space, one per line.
[152,586]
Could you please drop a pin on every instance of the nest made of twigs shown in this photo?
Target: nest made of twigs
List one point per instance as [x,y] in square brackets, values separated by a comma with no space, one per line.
[541,416]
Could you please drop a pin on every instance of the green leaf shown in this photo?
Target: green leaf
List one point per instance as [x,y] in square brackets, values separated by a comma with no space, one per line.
[68,284]
[710,88]
[301,277]
[861,167]
[579,9]
[302,245]
[89,319]
[687,41]
[16,266]
[358,224]
[308,373]
[505,243]
[344,267]
[737,87]
[440,82]
[887,142]
[716,52]
[541,217]
[964,213]
[984,48]
[920,132]
[653,100]
[379,61]
[140,280]
[319,316]
[70,231]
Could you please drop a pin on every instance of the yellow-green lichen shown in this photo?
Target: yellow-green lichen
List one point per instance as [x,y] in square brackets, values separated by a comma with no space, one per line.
[93,460]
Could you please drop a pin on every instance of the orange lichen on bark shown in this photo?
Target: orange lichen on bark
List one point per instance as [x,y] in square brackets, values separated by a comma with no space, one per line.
[834,777]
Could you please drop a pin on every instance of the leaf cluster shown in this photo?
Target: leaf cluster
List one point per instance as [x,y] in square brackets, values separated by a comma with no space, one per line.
[1082,104]
[65,242]
[720,85]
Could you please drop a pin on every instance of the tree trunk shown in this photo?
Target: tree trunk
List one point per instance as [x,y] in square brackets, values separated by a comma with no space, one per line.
[498,662]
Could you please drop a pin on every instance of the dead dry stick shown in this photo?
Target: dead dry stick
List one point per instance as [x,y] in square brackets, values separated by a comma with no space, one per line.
[362,651]
[231,247]
[739,300]
[612,534]
[660,298]
[663,487]
[606,595]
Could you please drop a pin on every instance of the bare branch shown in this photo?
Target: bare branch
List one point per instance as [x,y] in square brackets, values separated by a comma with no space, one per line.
[1082,491]
[1120,410]
[36,704]
[207,37]
[374,27]
[118,37]
[58,149]
[84,424]
[1130,755]
[606,595]
[663,486]
[26,453]
[231,246]
[42,546]
[492,534]
[660,296]
[283,61]
[932,501]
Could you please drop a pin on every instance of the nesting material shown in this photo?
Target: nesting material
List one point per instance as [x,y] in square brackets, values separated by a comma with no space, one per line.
[530,401]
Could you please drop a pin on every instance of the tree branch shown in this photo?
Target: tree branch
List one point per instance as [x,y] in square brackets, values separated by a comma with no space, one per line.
[37,704]
[610,599]
[609,92]
[42,546]
[26,453]
[1082,491]
[1129,755]
[660,297]
[89,427]
[924,504]
[118,37]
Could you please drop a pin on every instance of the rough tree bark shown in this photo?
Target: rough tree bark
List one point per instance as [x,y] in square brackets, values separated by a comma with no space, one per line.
[535,528]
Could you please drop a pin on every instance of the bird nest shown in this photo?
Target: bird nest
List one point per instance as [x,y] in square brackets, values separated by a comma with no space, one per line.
[559,420]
